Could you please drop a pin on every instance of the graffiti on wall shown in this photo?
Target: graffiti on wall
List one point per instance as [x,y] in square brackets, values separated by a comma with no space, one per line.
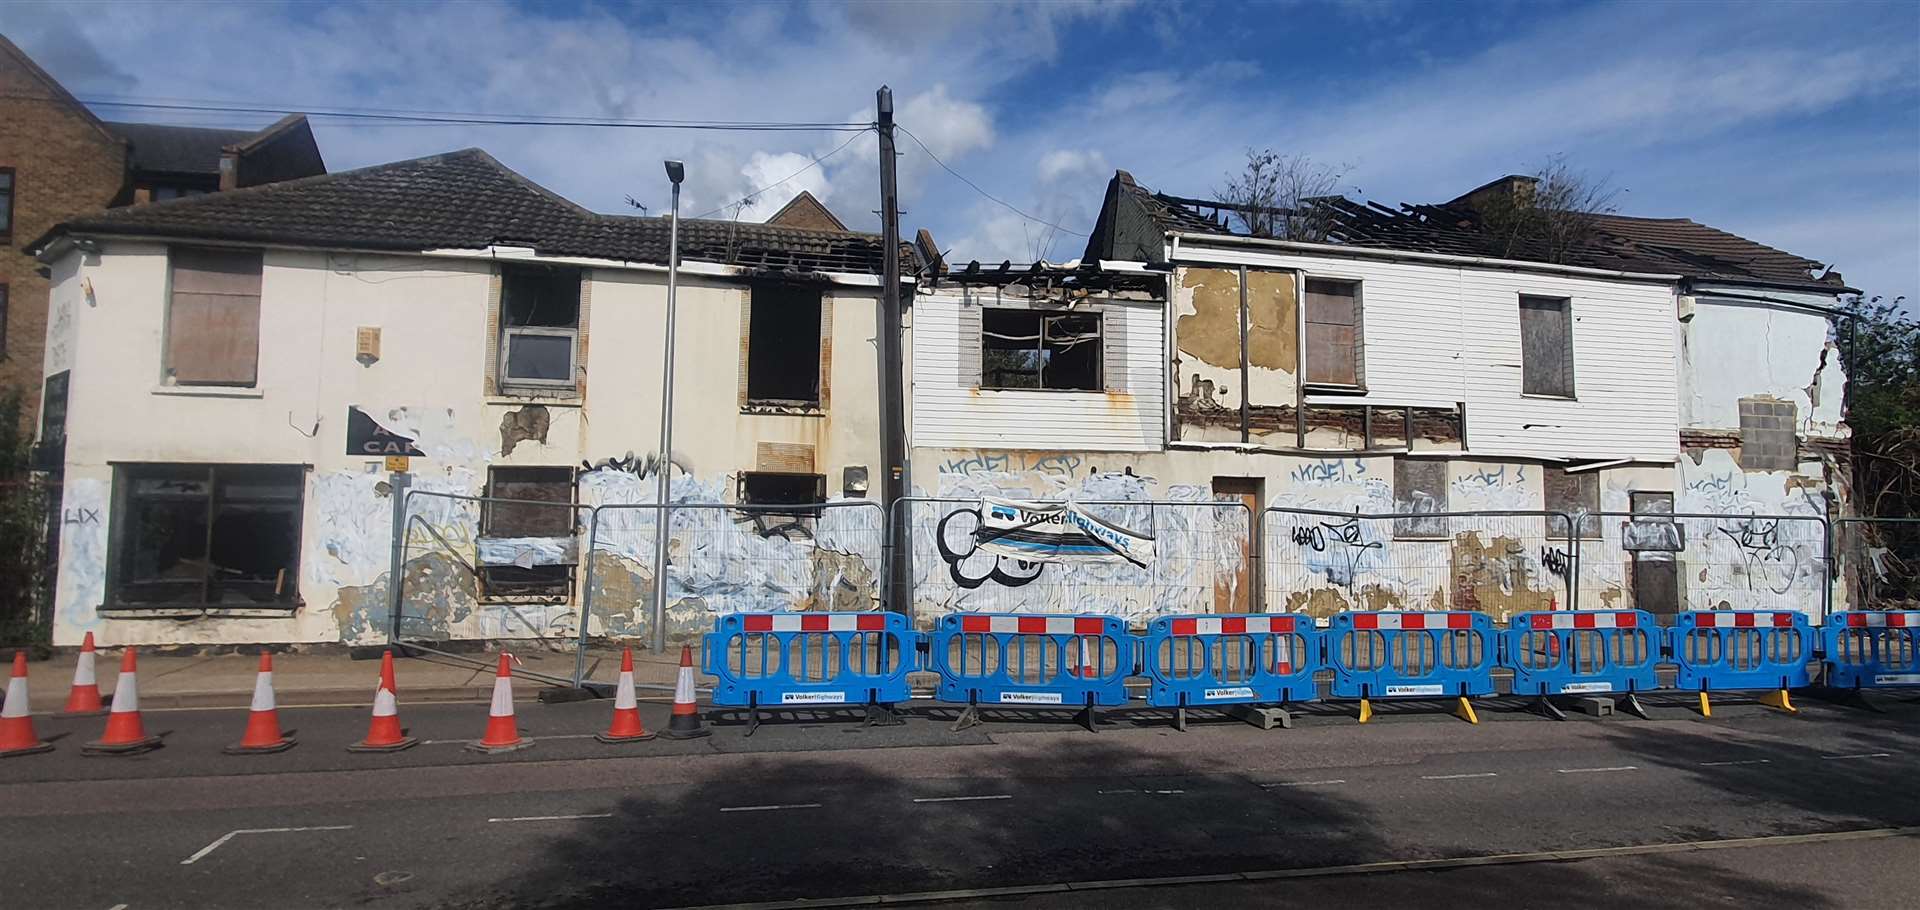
[1059,464]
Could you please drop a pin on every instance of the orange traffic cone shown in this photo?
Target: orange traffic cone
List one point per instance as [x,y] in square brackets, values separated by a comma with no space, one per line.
[263,721]
[16,723]
[502,734]
[384,733]
[626,726]
[83,700]
[685,723]
[125,734]
[1283,656]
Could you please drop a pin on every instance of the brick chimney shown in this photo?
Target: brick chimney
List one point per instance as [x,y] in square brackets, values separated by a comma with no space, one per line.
[1512,186]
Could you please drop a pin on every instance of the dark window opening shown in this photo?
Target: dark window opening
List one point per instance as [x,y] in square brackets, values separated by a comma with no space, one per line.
[1333,332]
[207,535]
[1419,488]
[1546,346]
[1034,349]
[543,507]
[6,202]
[539,325]
[1575,493]
[3,321]
[765,488]
[783,345]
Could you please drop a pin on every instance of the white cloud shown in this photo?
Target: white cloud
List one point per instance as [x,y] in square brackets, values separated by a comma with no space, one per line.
[764,170]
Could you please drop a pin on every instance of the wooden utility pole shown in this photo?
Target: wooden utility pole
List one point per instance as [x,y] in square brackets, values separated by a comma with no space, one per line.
[893,431]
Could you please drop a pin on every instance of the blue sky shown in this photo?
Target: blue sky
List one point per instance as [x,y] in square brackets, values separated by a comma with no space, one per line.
[1796,124]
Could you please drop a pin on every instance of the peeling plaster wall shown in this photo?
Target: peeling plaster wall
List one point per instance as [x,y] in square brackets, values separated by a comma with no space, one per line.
[429,384]
[1781,352]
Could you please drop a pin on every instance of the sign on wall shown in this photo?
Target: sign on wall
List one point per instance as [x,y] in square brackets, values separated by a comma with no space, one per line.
[1056,532]
[367,437]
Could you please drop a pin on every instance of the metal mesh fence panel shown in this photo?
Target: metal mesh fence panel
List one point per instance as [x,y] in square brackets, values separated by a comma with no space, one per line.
[1199,564]
[1667,563]
[1496,562]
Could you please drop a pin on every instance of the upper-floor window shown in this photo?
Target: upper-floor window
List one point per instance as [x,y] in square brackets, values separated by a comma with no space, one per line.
[213,317]
[783,345]
[1037,349]
[539,326]
[1333,341]
[6,202]
[3,321]
[1546,346]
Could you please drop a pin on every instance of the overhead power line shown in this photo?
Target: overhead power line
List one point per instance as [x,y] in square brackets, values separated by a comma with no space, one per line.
[476,119]
[976,188]
[814,164]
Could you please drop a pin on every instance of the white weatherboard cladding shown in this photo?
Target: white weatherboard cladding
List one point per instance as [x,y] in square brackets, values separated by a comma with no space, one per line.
[951,410]
[1436,333]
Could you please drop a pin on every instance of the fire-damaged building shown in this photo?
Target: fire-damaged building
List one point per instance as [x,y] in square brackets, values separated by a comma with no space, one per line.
[1403,414]
[239,369]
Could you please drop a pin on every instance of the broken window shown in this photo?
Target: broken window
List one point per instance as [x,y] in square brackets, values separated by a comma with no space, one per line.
[527,508]
[768,488]
[213,317]
[206,535]
[1768,437]
[1546,346]
[1419,488]
[1035,349]
[783,346]
[1576,493]
[1333,332]
[539,326]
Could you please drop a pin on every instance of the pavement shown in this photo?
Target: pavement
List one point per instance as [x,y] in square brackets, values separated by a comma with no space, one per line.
[1751,808]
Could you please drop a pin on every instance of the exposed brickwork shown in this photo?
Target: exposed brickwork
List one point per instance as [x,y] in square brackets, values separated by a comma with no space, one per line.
[64,164]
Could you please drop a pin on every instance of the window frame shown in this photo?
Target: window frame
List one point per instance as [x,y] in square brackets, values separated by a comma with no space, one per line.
[1099,357]
[752,403]
[1582,480]
[12,192]
[509,384]
[1566,335]
[1359,384]
[120,537]
[169,370]
[555,589]
[6,303]
[1407,528]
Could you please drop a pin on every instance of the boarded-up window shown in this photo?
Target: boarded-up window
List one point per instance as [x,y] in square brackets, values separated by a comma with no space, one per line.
[1577,494]
[542,507]
[1333,332]
[1546,346]
[1768,438]
[783,345]
[1419,488]
[213,318]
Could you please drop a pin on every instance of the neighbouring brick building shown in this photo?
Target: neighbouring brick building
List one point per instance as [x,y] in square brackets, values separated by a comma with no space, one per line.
[58,160]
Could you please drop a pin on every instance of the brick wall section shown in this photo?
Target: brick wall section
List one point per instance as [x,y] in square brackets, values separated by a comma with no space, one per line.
[63,166]
[1768,441]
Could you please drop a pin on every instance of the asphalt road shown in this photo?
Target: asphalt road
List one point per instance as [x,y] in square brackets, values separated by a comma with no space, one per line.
[821,807]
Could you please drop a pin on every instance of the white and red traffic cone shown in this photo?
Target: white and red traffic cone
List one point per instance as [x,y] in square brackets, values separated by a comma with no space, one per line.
[16,721]
[1085,668]
[626,727]
[125,734]
[502,734]
[685,723]
[83,700]
[384,733]
[263,734]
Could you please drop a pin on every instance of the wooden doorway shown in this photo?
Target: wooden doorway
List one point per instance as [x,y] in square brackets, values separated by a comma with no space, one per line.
[1233,593]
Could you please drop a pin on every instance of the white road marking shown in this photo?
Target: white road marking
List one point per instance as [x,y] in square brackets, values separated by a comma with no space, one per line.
[1108,792]
[551,818]
[1860,755]
[1596,770]
[1744,761]
[1164,792]
[769,808]
[960,799]
[230,835]
[118,907]
[1304,783]
[1458,776]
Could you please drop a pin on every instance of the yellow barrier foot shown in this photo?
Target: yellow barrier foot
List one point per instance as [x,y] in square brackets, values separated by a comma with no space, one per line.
[1706,709]
[1366,710]
[1465,711]
[1779,700]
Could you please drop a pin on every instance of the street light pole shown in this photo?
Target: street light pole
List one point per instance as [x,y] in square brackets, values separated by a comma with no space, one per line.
[675,172]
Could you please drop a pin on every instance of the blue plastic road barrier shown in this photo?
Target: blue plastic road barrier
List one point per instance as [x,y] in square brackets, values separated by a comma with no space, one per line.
[1231,660]
[1722,650]
[787,660]
[1032,661]
[1872,649]
[1582,652]
[1412,655]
